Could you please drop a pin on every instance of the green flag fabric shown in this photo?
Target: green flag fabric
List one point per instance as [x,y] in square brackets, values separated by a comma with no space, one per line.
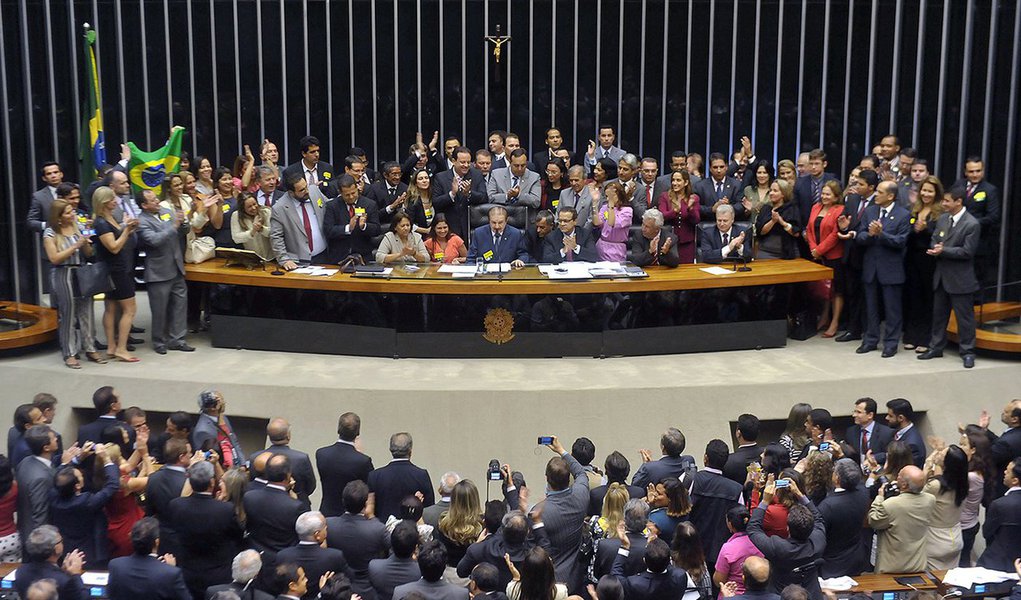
[147,170]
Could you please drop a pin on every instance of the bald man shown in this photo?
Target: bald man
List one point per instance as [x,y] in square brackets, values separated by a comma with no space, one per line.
[755,573]
[279,433]
[901,522]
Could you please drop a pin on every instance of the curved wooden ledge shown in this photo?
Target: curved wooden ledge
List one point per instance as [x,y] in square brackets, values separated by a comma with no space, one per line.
[42,329]
[989,340]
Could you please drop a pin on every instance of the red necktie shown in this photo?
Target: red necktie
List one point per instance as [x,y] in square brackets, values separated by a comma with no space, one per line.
[308,225]
[350,211]
[648,197]
[864,441]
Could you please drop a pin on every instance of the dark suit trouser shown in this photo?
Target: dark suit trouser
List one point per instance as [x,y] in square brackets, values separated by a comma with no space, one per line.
[892,297]
[853,295]
[964,310]
[168,301]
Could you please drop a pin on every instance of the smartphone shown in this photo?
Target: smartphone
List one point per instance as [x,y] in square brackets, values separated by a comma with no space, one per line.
[824,446]
[782,483]
[545,440]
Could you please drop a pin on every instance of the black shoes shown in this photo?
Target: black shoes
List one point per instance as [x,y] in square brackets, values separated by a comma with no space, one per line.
[889,352]
[137,330]
[864,349]
[847,336]
[969,360]
[160,349]
[183,347]
[929,354]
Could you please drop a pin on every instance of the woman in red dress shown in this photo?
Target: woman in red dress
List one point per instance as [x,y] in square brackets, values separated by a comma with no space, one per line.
[123,510]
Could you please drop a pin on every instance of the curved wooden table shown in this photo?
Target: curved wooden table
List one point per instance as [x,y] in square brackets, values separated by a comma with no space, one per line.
[42,329]
[991,340]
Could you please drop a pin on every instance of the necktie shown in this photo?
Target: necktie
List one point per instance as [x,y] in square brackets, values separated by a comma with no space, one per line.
[310,175]
[648,196]
[267,199]
[971,190]
[308,225]
[864,442]
[726,239]
[606,153]
[577,198]
[393,192]
[719,189]
[861,207]
[514,182]
[655,257]
[570,253]
[952,221]
[817,190]
[882,214]
[350,211]
[496,243]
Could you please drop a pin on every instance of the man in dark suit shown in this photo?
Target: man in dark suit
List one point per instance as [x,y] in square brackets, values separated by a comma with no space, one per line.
[78,514]
[554,142]
[43,549]
[1005,447]
[432,560]
[143,575]
[445,161]
[746,450]
[535,236]
[388,191]
[883,232]
[900,417]
[955,244]
[808,189]
[400,567]
[108,406]
[719,189]
[267,194]
[498,242]
[359,535]
[636,515]
[660,579]
[867,433]
[848,222]
[244,569]
[271,512]
[670,464]
[209,534]
[982,200]
[350,223]
[162,232]
[39,209]
[165,485]
[794,558]
[616,467]
[455,190]
[568,242]
[279,433]
[35,478]
[316,173]
[214,431]
[843,511]
[653,244]
[563,512]
[1002,527]
[712,495]
[341,463]
[605,149]
[399,479]
[484,583]
[649,185]
[726,240]
[310,554]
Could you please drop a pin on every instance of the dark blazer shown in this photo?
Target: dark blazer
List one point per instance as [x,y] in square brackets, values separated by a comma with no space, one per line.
[985,206]
[883,261]
[35,480]
[338,465]
[358,241]
[432,590]
[361,540]
[68,587]
[650,586]
[209,537]
[914,440]
[271,514]
[1002,531]
[706,190]
[790,214]
[785,555]
[301,469]
[640,249]
[81,520]
[596,495]
[512,246]
[712,496]
[955,266]
[541,158]
[385,574]
[492,549]
[667,466]
[133,577]
[853,253]
[880,438]
[316,560]
[409,165]
[456,208]
[1005,448]
[606,554]
[710,241]
[395,482]
[553,243]
[163,486]
[804,196]
[277,193]
[93,432]
[736,468]
[380,193]
[324,173]
[246,594]
[843,513]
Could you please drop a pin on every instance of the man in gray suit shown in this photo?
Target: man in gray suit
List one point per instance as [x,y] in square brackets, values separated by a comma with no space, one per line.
[431,515]
[577,196]
[954,244]
[563,512]
[39,210]
[296,226]
[432,560]
[606,149]
[162,231]
[35,478]
[515,185]
[400,567]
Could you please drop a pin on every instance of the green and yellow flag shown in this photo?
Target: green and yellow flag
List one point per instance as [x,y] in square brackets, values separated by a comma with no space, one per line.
[146,170]
[93,145]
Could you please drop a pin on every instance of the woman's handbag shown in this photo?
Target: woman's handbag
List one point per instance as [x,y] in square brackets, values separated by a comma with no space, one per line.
[92,279]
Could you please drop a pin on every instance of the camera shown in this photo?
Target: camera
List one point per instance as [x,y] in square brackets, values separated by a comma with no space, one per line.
[891,489]
[824,447]
[493,472]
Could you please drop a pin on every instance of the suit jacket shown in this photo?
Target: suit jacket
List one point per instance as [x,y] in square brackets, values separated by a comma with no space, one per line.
[650,586]
[512,246]
[164,257]
[35,480]
[492,549]
[955,266]
[706,190]
[456,208]
[69,587]
[432,514]
[667,466]
[843,513]
[134,576]
[659,187]
[163,486]
[914,440]
[246,594]
[640,249]
[209,536]
[583,205]
[385,574]
[710,241]
[357,241]
[614,154]
[338,465]
[81,520]
[301,469]
[541,158]
[1005,448]
[380,193]
[828,245]
[785,555]
[606,554]
[395,482]
[984,205]
[553,243]
[361,540]
[530,195]
[804,195]
[93,432]
[712,495]
[1002,532]
[902,526]
[853,253]
[316,561]
[271,516]
[207,430]
[287,228]
[432,590]
[277,193]
[883,261]
[596,495]
[736,468]
[324,174]
[39,209]
[878,441]
[563,514]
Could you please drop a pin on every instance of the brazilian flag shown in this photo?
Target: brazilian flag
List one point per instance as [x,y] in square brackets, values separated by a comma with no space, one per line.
[148,169]
[93,150]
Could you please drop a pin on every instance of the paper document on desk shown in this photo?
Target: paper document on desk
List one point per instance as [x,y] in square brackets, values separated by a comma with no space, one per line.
[716,270]
[458,269]
[607,268]
[316,271]
[968,577]
[89,578]
[568,270]
[838,584]
[497,268]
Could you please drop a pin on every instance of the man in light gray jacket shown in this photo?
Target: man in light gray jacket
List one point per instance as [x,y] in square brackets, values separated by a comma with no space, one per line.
[162,230]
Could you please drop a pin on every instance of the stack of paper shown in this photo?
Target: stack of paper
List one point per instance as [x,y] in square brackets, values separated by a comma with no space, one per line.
[459,271]
[567,270]
[968,577]
[316,271]
[839,584]
[716,270]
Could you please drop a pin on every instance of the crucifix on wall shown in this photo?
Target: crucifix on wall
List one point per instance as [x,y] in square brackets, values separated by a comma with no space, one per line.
[498,41]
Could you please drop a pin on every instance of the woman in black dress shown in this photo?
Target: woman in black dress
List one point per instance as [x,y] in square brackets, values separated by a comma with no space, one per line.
[919,267]
[117,249]
[778,224]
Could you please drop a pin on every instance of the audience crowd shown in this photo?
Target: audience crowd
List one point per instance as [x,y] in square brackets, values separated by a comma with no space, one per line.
[189,513]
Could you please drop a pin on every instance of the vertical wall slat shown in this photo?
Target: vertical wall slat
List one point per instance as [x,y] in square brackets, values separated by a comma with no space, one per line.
[895,72]
[867,143]
[962,129]
[916,113]
[1008,178]
[5,118]
[938,159]
[987,113]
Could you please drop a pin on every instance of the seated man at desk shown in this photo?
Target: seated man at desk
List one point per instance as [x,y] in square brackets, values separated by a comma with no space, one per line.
[498,242]
[568,242]
[652,244]
[296,226]
[727,239]
[351,222]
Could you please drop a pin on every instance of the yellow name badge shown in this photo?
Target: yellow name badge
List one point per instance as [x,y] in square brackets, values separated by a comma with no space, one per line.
[164,217]
[226,208]
[556,203]
[359,210]
[320,202]
[488,255]
[438,256]
[979,197]
[326,175]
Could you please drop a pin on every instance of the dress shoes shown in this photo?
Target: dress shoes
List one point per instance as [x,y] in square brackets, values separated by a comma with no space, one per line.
[887,353]
[864,349]
[100,345]
[160,349]
[137,329]
[182,347]
[930,353]
[847,336]
[969,360]
[134,340]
